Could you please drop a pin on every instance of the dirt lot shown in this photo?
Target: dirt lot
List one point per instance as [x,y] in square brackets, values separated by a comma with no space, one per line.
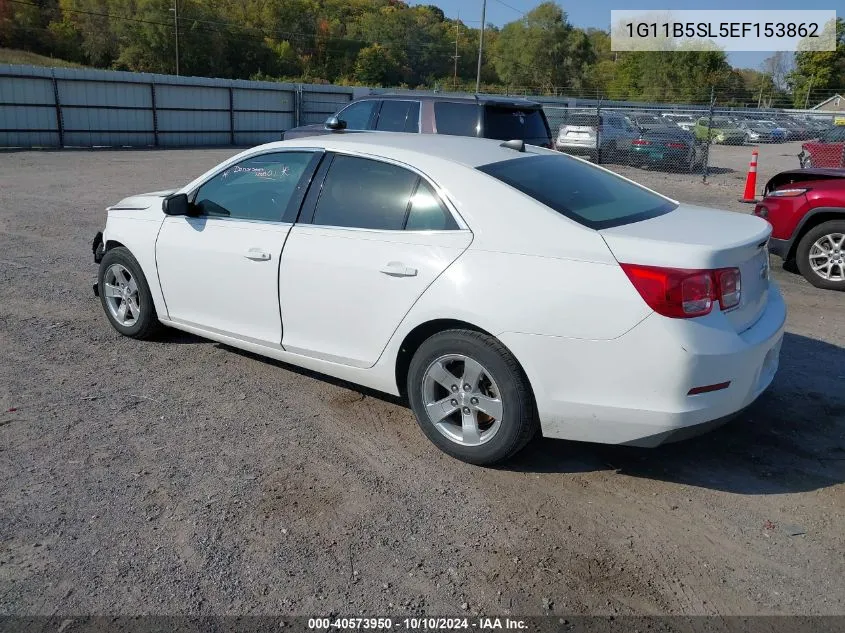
[183,477]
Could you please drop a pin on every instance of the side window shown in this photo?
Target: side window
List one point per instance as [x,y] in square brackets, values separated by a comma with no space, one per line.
[357,115]
[427,212]
[258,188]
[364,193]
[399,116]
[456,119]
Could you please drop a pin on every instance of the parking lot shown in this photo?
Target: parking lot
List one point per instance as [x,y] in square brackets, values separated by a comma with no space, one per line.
[180,476]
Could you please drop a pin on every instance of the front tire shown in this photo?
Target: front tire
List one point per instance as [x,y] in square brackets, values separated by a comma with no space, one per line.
[471,397]
[125,295]
[820,255]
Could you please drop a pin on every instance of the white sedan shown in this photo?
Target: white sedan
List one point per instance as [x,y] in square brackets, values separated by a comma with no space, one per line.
[502,288]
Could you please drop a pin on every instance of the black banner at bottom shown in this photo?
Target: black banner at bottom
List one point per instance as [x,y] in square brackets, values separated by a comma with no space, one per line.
[538,624]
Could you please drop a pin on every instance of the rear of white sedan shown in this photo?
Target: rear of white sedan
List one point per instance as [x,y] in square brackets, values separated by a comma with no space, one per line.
[504,289]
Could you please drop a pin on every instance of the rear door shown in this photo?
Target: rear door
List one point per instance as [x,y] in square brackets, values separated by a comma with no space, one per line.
[372,237]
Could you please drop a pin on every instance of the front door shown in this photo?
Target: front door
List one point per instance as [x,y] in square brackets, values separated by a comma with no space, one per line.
[219,268]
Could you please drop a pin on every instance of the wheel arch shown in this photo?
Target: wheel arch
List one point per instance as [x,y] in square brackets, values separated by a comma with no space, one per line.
[420,333]
[811,220]
[110,244]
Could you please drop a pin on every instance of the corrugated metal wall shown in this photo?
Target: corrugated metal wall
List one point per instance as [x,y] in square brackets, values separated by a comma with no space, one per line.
[65,107]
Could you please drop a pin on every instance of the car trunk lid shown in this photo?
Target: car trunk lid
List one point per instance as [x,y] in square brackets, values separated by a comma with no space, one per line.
[692,237]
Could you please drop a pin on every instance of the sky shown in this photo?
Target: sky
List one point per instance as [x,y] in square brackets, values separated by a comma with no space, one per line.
[596,13]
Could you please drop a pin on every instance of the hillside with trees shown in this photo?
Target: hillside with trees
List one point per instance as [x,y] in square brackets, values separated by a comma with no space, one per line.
[391,44]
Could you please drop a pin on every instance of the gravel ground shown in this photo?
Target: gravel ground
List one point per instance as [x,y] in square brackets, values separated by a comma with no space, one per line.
[183,477]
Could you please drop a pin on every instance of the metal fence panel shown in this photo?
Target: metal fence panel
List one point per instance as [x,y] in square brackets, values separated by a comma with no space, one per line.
[99,93]
[191,97]
[26,90]
[317,106]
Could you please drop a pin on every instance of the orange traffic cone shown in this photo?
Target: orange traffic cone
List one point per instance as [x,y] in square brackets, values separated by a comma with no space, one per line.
[751,180]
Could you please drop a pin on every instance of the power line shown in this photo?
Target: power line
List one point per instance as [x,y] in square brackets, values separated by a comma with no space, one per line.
[504,4]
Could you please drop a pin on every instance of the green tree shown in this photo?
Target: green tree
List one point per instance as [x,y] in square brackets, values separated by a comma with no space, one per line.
[818,72]
[376,66]
[542,50]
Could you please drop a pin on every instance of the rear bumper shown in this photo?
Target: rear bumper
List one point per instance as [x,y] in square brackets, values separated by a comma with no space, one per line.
[634,389]
[576,148]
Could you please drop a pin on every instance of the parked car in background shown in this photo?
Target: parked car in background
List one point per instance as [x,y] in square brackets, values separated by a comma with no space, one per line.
[827,151]
[683,121]
[806,208]
[723,131]
[798,131]
[580,132]
[667,147]
[650,122]
[757,131]
[499,118]
[502,288]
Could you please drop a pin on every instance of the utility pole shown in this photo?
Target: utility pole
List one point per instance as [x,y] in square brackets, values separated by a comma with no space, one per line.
[457,33]
[481,45]
[175,10]
[807,100]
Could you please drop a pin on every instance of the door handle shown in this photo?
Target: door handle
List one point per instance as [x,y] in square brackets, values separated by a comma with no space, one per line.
[398,269]
[257,254]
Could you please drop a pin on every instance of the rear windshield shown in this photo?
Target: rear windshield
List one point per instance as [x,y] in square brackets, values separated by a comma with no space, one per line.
[589,120]
[507,123]
[578,190]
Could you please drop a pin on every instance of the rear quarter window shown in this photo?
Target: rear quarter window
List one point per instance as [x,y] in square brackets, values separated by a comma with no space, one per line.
[579,191]
[456,119]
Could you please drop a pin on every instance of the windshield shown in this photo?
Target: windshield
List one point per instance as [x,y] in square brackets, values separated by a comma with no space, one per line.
[649,119]
[723,122]
[507,123]
[580,191]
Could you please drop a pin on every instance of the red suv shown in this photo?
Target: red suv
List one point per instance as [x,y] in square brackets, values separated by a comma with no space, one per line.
[806,208]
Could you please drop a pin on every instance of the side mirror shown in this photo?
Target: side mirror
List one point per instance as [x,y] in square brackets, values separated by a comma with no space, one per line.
[333,123]
[176,204]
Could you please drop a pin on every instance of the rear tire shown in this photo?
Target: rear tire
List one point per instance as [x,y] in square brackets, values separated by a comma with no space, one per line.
[820,255]
[125,295]
[471,397]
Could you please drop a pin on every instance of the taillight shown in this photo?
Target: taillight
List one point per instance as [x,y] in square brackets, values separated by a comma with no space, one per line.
[729,284]
[682,293]
[640,141]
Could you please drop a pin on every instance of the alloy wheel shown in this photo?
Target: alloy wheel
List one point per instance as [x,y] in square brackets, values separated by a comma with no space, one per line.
[462,400]
[121,295]
[827,257]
